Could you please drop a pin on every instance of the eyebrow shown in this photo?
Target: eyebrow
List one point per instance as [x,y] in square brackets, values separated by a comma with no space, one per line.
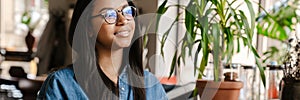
[112,8]
[103,9]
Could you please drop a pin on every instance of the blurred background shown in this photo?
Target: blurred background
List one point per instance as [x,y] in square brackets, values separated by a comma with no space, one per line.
[33,41]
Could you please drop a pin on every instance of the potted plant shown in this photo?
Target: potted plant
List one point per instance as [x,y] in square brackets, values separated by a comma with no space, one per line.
[279,24]
[291,79]
[30,19]
[220,25]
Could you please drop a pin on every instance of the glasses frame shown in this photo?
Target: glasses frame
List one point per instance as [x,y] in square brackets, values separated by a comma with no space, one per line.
[117,11]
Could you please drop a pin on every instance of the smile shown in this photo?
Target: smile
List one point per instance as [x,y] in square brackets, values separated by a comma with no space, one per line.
[122,34]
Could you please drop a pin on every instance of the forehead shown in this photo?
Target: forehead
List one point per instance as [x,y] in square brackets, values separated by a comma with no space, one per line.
[100,4]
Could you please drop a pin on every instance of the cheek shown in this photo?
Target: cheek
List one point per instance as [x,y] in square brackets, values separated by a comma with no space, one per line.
[105,30]
[132,27]
[105,35]
[96,26]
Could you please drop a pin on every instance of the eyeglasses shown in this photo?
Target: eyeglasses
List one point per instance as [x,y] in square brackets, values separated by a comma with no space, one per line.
[111,15]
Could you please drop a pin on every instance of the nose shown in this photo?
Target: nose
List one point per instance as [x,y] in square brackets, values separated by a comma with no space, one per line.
[121,19]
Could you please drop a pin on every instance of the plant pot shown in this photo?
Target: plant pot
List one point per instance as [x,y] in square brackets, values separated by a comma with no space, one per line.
[210,90]
[291,91]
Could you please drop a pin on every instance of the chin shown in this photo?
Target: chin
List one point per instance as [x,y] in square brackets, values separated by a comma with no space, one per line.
[124,45]
[121,45]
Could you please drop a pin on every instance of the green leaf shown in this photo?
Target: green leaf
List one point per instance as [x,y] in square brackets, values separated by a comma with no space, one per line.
[238,45]
[203,64]
[272,53]
[215,2]
[190,20]
[162,8]
[274,23]
[216,50]
[237,20]
[205,52]
[26,18]
[267,52]
[246,25]
[261,70]
[254,51]
[204,23]
[164,38]
[173,65]
[202,7]
[245,41]
[252,15]
[183,51]
[190,43]
[277,31]
[230,44]
[178,61]
[196,57]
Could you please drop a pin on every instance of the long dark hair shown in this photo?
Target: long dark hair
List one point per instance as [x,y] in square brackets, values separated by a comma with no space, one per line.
[86,59]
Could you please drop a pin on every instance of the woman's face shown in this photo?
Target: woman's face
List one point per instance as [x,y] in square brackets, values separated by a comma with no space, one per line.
[119,33]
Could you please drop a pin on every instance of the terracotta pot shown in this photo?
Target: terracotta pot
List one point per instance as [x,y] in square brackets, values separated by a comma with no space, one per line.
[210,90]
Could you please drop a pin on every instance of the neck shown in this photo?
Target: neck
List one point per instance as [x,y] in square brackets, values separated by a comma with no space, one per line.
[110,62]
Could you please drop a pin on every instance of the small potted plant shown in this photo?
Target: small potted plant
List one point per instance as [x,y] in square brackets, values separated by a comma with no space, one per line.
[220,26]
[30,19]
[291,79]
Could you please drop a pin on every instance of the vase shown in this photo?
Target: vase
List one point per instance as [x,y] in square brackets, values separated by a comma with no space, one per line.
[210,90]
[29,39]
[291,91]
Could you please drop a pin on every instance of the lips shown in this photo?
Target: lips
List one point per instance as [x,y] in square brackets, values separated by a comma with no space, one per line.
[123,34]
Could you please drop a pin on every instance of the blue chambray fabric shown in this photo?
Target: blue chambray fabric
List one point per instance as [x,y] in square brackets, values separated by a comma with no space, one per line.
[62,85]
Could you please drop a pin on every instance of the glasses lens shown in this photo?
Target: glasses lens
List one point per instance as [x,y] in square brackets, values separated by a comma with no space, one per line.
[129,12]
[111,16]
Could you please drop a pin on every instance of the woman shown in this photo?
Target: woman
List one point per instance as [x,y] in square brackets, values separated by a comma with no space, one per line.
[108,57]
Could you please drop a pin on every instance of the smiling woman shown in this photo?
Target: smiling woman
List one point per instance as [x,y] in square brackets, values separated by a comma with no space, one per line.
[107,57]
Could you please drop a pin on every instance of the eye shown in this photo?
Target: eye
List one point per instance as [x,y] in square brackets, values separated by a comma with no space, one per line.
[110,14]
[129,12]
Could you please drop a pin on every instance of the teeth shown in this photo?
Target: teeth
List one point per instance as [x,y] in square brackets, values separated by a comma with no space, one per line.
[123,33]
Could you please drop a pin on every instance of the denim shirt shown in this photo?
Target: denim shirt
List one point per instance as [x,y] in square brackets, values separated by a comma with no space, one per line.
[63,85]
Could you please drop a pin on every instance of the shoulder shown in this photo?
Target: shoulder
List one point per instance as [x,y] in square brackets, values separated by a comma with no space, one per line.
[62,74]
[66,72]
[61,84]
[151,82]
[150,79]
[154,89]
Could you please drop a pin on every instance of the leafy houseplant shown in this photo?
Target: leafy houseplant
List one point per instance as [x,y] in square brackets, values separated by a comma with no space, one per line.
[276,24]
[220,25]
